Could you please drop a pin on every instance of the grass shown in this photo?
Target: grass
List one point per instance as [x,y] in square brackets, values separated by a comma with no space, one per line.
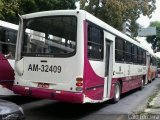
[150,99]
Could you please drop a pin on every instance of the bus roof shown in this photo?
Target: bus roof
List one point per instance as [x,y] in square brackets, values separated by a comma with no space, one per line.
[89,17]
[8,25]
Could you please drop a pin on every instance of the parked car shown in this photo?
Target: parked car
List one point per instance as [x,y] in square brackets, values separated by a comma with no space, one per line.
[10,111]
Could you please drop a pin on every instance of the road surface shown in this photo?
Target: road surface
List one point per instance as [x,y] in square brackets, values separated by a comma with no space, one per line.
[40,109]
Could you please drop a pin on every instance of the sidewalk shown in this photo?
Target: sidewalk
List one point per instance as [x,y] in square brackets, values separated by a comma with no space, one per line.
[150,110]
[153,106]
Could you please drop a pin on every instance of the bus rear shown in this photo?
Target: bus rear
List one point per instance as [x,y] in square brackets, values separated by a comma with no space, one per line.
[8,36]
[50,56]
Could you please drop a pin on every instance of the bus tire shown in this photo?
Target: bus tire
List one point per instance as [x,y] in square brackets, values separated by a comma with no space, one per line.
[142,84]
[117,92]
[150,81]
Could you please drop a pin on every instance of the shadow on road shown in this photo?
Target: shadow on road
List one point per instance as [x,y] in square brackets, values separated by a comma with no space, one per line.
[19,100]
[61,110]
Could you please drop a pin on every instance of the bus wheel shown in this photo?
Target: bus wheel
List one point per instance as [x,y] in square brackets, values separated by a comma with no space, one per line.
[117,92]
[150,81]
[142,84]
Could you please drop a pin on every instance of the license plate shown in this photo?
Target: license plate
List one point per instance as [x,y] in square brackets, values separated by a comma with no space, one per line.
[43,85]
[45,68]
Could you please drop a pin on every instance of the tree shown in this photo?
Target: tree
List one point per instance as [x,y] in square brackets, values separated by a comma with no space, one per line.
[9,8]
[155,40]
[28,6]
[115,12]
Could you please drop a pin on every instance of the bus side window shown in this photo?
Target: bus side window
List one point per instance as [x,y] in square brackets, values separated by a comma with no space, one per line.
[119,50]
[139,55]
[95,43]
[144,57]
[134,54]
[128,49]
[1,37]
[4,48]
[8,42]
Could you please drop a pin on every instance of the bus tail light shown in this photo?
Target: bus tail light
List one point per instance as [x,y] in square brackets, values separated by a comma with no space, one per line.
[79,80]
[79,83]
[78,88]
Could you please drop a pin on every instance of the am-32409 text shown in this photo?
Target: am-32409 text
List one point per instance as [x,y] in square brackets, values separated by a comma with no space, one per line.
[44,68]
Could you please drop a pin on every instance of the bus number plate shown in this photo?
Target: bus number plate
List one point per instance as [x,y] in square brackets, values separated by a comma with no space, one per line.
[44,68]
[43,85]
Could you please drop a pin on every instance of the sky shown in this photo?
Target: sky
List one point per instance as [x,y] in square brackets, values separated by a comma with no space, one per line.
[144,21]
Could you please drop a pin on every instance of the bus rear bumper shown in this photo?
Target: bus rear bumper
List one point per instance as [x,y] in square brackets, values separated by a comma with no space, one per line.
[72,97]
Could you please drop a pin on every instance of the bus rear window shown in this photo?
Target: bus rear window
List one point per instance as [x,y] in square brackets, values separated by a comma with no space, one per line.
[50,36]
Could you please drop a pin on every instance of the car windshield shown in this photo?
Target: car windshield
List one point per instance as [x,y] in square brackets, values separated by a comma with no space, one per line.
[50,36]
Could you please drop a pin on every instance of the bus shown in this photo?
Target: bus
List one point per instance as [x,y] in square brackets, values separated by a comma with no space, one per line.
[158,72]
[158,67]
[8,36]
[152,67]
[72,56]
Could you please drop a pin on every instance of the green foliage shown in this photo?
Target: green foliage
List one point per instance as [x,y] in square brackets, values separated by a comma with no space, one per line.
[9,8]
[115,12]
[29,6]
[151,38]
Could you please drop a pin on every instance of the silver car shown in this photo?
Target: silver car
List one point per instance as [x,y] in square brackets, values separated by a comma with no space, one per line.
[10,111]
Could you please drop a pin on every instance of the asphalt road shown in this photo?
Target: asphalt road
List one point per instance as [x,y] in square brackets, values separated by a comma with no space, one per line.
[40,109]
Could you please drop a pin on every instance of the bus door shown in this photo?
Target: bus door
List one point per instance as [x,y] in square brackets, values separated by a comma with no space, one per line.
[109,38]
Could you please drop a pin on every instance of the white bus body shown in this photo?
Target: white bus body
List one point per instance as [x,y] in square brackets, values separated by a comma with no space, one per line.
[82,64]
[152,68]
